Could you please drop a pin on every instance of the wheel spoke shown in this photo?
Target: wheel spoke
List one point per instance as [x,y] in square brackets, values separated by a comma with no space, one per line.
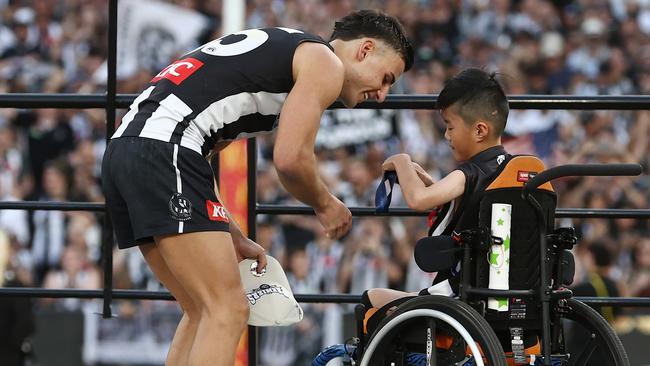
[587,352]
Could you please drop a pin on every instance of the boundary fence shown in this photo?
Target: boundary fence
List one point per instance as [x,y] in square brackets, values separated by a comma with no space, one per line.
[111,101]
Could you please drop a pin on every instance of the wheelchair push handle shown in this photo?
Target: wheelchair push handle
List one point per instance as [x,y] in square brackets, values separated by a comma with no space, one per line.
[577,170]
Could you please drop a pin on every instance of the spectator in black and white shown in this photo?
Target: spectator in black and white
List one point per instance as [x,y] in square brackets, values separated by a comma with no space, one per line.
[48,240]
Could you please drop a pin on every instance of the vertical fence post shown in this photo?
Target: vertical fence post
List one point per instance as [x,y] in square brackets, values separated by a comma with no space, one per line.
[251,158]
[111,81]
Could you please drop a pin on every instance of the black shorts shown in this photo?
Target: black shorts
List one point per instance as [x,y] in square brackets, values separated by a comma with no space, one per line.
[157,188]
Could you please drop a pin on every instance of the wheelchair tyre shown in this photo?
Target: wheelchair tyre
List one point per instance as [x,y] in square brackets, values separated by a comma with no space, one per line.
[601,336]
[469,320]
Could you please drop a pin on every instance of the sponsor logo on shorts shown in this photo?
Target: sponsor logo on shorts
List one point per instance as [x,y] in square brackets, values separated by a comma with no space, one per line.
[178,71]
[180,207]
[524,176]
[216,211]
[265,289]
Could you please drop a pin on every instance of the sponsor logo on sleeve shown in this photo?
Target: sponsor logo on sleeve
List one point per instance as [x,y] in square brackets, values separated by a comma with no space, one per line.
[216,211]
[178,71]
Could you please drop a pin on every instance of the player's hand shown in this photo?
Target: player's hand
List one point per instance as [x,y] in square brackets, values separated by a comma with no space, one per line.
[335,218]
[424,176]
[246,248]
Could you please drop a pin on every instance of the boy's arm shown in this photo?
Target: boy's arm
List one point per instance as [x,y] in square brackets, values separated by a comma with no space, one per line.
[423,175]
[418,196]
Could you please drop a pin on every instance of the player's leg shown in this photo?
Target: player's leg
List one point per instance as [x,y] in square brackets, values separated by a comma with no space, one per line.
[181,345]
[116,162]
[205,265]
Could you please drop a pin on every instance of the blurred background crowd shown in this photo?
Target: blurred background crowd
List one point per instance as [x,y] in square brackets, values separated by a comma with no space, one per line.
[583,47]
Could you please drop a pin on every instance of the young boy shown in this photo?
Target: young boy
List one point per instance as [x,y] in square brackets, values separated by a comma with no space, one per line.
[474,108]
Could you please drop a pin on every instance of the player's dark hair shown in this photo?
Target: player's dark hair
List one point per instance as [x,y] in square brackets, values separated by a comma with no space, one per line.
[375,24]
[476,95]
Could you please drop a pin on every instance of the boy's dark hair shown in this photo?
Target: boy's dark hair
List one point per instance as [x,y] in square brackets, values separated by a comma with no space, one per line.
[375,24]
[476,95]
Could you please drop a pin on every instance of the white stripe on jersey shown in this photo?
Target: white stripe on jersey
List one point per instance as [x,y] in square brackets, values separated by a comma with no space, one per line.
[179,184]
[445,221]
[192,138]
[164,120]
[231,109]
[133,110]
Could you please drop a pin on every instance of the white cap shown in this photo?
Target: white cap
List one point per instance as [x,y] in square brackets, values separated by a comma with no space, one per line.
[269,295]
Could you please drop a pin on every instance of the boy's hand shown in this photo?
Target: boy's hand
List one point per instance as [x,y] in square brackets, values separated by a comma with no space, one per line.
[389,164]
[424,176]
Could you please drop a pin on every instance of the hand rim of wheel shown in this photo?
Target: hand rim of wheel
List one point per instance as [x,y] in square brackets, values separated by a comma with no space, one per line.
[417,313]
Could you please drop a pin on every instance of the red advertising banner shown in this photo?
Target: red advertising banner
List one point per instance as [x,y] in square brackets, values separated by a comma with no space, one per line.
[233,189]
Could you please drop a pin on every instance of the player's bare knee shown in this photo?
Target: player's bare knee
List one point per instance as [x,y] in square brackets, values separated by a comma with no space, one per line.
[192,312]
[240,308]
[243,310]
[228,309]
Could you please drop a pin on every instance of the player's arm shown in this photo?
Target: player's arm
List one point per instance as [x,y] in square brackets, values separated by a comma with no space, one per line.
[318,75]
[418,196]
[244,247]
[318,79]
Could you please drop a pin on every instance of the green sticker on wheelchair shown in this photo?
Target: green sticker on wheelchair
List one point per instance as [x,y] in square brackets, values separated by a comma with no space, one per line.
[499,254]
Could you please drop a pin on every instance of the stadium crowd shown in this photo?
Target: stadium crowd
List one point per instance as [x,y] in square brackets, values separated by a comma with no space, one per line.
[583,47]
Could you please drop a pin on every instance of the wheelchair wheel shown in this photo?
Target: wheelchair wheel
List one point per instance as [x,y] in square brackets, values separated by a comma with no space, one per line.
[446,330]
[590,340]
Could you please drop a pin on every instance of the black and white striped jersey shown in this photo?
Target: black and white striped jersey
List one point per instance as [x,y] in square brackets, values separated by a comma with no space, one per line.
[230,88]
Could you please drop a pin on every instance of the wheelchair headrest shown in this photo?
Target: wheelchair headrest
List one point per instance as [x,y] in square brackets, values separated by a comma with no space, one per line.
[515,172]
[436,253]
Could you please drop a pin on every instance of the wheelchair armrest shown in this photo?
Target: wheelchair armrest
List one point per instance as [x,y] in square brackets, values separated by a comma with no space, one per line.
[436,253]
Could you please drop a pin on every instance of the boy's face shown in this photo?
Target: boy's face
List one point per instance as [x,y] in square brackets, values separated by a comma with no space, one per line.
[459,134]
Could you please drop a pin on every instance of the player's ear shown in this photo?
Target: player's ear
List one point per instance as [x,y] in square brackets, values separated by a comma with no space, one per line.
[365,48]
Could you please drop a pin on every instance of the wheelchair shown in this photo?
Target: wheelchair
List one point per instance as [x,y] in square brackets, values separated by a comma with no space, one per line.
[541,318]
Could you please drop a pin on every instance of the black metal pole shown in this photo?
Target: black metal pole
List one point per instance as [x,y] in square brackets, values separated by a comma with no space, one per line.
[111,92]
[251,165]
[31,292]
[403,211]
[393,101]
[544,288]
